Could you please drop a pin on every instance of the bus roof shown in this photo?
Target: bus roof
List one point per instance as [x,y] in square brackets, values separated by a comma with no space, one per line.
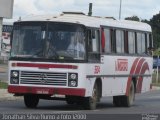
[91,21]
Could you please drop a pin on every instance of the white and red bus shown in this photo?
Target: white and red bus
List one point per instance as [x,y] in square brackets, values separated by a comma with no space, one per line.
[112,59]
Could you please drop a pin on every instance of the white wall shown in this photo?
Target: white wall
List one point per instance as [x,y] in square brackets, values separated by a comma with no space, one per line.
[6,8]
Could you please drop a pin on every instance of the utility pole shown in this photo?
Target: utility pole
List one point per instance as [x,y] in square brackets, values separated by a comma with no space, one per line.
[120,7]
[1,20]
[90,9]
[157,77]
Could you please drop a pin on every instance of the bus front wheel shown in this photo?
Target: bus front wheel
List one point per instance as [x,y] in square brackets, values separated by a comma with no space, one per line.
[90,103]
[31,101]
[70,100]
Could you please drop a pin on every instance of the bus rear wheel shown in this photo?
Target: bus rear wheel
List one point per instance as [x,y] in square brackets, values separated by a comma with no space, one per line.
[125,101]
[90,103]
[31,101]
[117,101]
[128,100]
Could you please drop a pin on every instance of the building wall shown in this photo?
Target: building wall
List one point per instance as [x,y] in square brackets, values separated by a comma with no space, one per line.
[6,8]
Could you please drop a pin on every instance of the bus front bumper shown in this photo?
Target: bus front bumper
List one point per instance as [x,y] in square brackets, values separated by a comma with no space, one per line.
[46,90]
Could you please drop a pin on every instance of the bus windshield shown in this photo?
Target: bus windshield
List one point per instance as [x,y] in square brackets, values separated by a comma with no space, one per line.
[48,40]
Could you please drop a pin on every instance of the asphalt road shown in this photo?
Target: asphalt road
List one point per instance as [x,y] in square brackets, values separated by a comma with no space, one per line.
[146,103]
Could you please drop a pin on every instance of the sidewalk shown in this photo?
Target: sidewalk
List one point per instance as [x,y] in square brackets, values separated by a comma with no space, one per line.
[3,68]
[5,96]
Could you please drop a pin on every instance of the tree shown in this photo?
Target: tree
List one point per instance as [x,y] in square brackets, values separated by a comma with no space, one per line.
[145,21]
[155,24]
[134,18]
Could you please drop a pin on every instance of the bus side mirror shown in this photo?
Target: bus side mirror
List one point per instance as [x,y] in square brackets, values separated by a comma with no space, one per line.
[150,50]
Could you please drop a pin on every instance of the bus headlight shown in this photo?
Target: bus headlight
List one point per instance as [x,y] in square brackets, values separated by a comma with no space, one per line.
[72,79]
[73,76]
[14,73]
[73,83]
[14,78]
[14,81]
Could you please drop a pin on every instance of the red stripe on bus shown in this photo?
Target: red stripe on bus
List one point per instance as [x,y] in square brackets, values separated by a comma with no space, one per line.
[140,80]
[131,73]
[139,66]
[44,65]
[46,90]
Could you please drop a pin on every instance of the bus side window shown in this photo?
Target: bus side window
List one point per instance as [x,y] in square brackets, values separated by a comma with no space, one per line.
[94,45]
[119,41]
[89,41]
[143,43]
[131,42]
[126,47]
[141,48]
[150,41]
[149,44]
[107,34]
[139,43]
[113,41]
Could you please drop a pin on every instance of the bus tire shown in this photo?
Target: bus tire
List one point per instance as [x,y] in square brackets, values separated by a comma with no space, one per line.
[128,100]
[90,103]
[117,101]
[31,101]
[70,100]
[125,101]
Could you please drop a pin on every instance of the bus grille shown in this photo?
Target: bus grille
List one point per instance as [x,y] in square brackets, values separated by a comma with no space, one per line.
[43,78]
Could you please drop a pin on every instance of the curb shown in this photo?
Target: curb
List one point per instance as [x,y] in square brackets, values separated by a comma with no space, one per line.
[3,70]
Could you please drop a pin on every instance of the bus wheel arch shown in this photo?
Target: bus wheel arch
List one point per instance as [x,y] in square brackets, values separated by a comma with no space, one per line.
[129,99]
[91,102]
[134,79]
[99,84]
[126,100]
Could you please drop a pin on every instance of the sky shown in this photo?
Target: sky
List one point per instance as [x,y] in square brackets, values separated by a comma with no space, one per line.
[144,9]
